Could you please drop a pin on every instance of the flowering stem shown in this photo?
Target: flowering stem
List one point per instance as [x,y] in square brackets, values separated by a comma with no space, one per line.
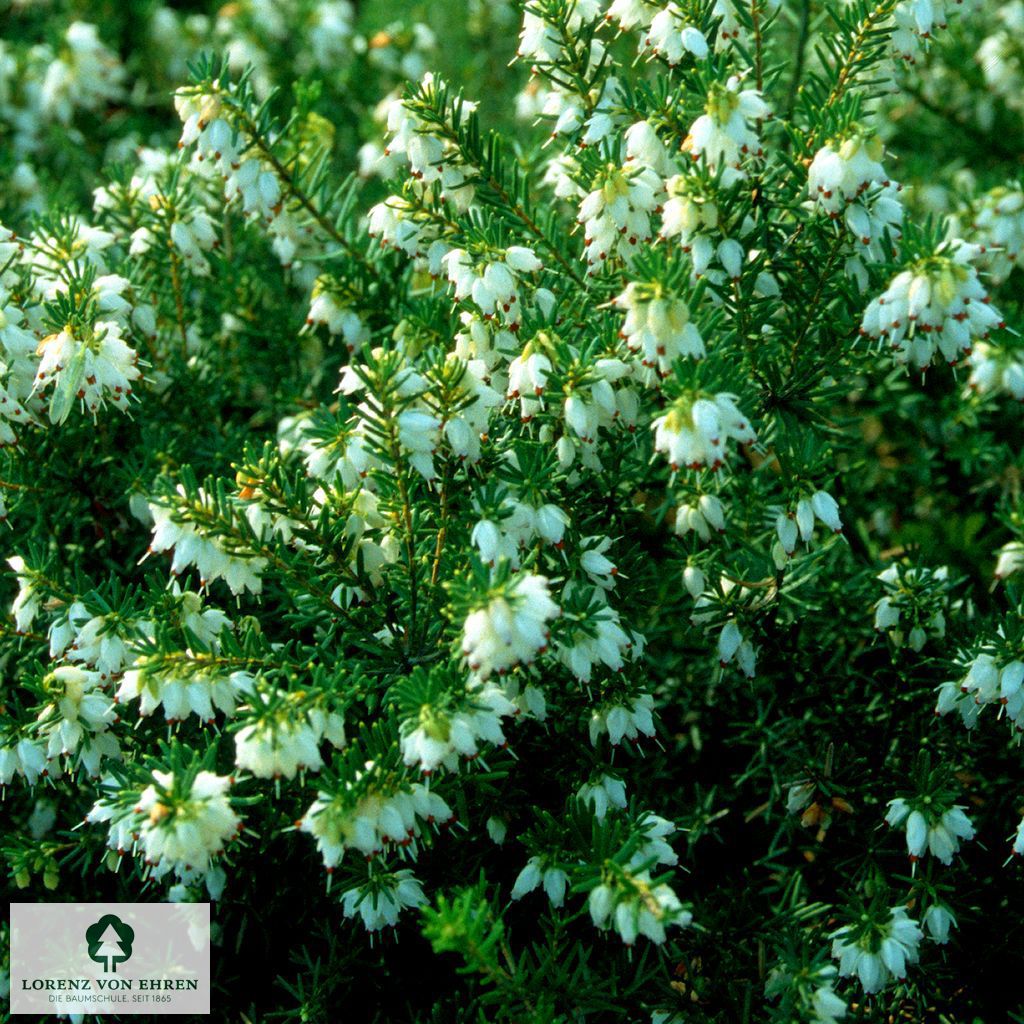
[755,18]
[179,302]
[291,186]
[476,159]
[812,307]
[798,61]
[410,542]
[852,62]
[987,139]
[442,528]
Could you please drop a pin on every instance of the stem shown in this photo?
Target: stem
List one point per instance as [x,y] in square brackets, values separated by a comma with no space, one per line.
[848,71]
[801,54]
[442,529]
[179,301]
[410,542]
[987,140]
[755,18]
[812,308]
[288,182]
[476,160]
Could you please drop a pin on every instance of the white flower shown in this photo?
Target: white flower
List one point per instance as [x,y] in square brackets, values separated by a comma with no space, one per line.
[623,721]
[810,992]
[910,592]
[192,238]
[1010,559]
[602,794]
[511,628]
[669,36]
[732,644]
[645,147]
[847,181]
[185,832]
[694,580]
[594,639]
[101,641]
[706,515]
[799,525]
[593,561]
[439,736]
[419,433]
[206,554]
[542,43]
[915,21]
[879,952]
[17,371]
[492,284]
[339,318]
[691,214]
[616,214]
[1018,840]
[527,378]
[28,600]
[938,919]
[286,738]
[365,816]
[77,718]
[1000,59]
[827,1006]
[657,327]
[26,758]
[936,306]
[722,135]
[96,367]
[477,401]
[631,904]
[396,224]
[988,680]
[205,624]
[692,433]
[538,874]
[431,158]
[188,687]
[86,75]
[996,370]
[379,904]
[630,14]
[940,834]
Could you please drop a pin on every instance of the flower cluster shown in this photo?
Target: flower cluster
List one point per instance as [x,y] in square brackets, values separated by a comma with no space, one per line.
[926,828]
[191,547]
[913,606]
[178,824]
[875,950]
[511,628]
[365,817]
[726,134]
[692,432]
[937,306]
[635,905]
[658,328]
[846,180]
[616,212]
[988,680]
[285,737]
[540,465]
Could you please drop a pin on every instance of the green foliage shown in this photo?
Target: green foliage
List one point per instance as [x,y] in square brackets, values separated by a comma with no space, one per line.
[497,544]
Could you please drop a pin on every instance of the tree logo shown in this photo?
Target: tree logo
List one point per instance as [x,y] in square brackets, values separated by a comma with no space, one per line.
[110,942]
